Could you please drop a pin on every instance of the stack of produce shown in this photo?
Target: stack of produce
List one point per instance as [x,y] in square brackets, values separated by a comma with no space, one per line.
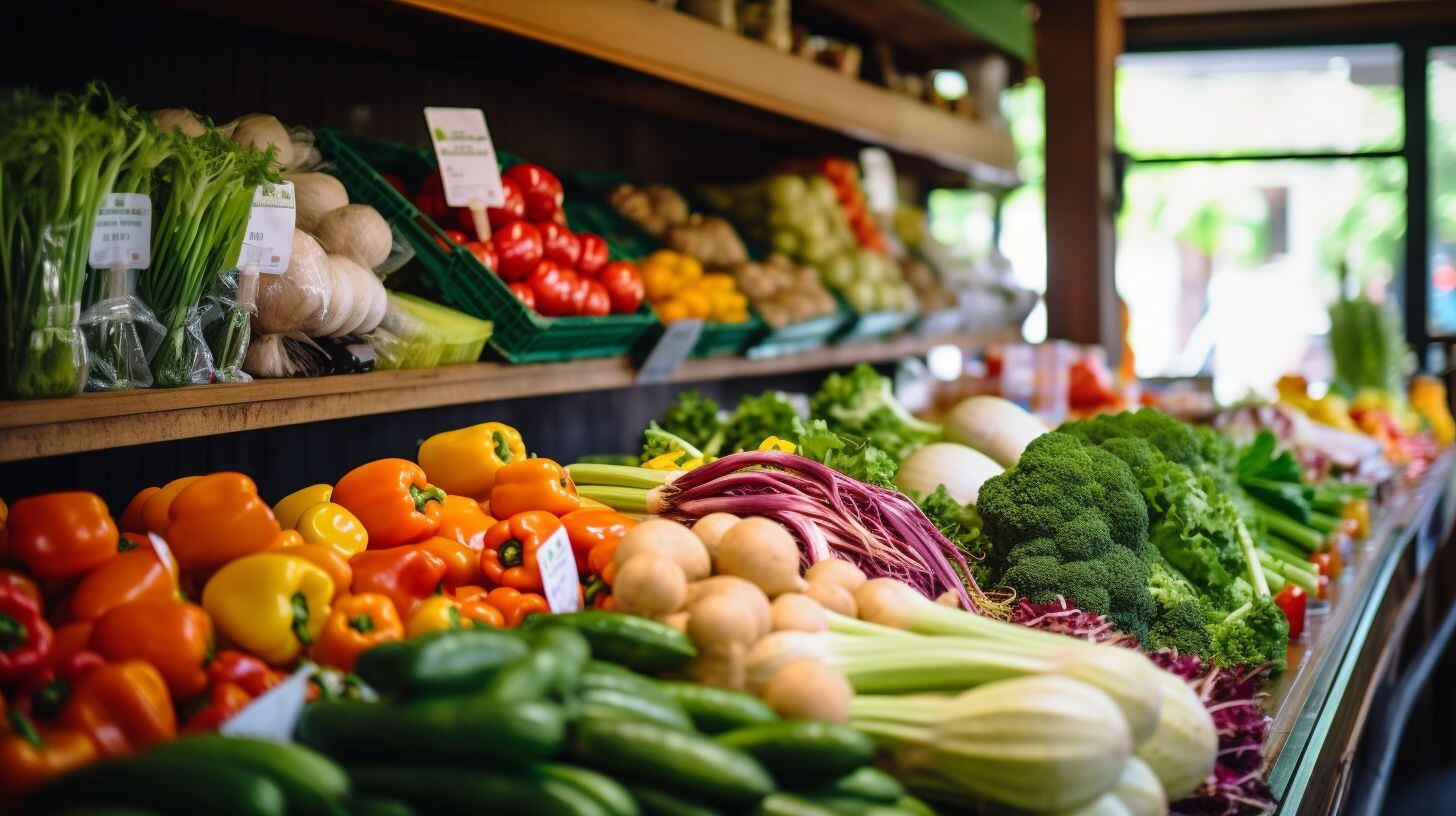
[549,268]
[677,288]
[783,292]
[931,293]
[844,175]
[662,212]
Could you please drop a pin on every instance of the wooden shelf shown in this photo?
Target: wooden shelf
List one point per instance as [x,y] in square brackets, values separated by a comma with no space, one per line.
[86,422]
[693,53]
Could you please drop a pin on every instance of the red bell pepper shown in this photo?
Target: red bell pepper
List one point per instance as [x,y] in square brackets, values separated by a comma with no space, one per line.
[62,535]
[223,701]
[25,637]
[1293,601]
[241,669]
[406,575]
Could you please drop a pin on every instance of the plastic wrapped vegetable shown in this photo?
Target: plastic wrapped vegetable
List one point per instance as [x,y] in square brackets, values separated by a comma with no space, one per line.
[121,335]
[225,318]
[416,333]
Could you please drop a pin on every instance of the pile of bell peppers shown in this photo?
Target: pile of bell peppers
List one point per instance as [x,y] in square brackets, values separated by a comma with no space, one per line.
[117,633]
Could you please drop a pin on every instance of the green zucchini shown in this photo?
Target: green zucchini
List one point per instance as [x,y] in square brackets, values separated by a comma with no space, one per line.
[311,781]
[458,660]
[802,751]
[869,783]
[606,791]
[656,802]
[681,762]
[715,710]
[640,644]
[446,791]
[167,785]
[787,804]
[443,729]
[619,704]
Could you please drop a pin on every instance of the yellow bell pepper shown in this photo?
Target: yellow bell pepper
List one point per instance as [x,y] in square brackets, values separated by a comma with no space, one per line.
[291,507]
[463,462]
[774,443]
[436,614]
[272,605]
[1428,398]
[333,525]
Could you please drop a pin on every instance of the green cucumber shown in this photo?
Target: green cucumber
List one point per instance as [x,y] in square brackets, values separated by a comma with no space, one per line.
[378,806]
[606,791]
[787,804]
[443,729]
[681,762]
[655,802]
[458,660]
[311,781]
[619,704]
[558,655]
[869,783]
[914,806]
[802,751]
[715,710]
[640,644]
[445,791]
[168,785]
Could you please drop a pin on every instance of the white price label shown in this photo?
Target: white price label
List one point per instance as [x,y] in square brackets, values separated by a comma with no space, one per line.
[675,345]
[273,714]
[559,577]
[268,243]
[122,236]
[881,192]
[469,169]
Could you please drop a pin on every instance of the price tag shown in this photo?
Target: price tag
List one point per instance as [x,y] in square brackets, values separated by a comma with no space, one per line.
[122,236]
[273,714]
[881,192]
[674,347]
[559,577]
[463,149]
[269,240]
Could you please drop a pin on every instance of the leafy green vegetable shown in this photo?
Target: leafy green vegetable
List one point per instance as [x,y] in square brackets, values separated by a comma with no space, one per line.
[1368,343]
[852,457]
[862,404]
[693,419]
[962,525]
[756,419]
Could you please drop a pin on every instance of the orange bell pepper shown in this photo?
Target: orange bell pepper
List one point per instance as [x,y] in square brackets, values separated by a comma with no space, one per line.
[356,624]
[155,509]
[217,519]
[139,574]
[10,579]
[589,528]
[468,607]
[533,484]
[62,535]
[516,605]
[463,520]
[175,638]
[30,756]
[71,639]
[4,532]
[327,559]
[481,612]
[124,707]
[462,564]
[406,575]
[132,519]
[288,538]
[392,500]
[509,557]
[223,701]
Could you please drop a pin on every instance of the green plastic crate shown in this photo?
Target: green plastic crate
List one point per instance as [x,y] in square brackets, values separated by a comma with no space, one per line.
[862,326]
[794,338]
[521,335]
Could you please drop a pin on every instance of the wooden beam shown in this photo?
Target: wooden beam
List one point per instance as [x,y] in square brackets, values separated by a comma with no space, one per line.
[1078,44]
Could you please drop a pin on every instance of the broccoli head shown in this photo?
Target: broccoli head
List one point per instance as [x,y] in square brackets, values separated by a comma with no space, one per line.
[1181,621]
[1068,520]
[1254,634]
[1170,437]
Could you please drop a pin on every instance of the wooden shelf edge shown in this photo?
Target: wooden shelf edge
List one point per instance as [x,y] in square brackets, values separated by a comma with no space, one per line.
[39,428]
[693,53]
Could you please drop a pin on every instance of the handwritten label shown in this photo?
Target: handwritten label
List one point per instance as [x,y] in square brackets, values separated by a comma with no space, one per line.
[881,193]
[674,346]
[559,578]
[122,236]
[273,714]
[466,155]
[268,243]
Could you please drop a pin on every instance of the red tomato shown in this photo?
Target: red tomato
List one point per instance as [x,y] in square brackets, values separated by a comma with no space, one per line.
[540,189]
[518,246]
[452,239]
[524,294]
[1293,601]
[555,289]
[597,302]
[510,212]
[560,244]
[393,180]
[578,294]
[594,254]
[624,286]
[483,252]
[431,199]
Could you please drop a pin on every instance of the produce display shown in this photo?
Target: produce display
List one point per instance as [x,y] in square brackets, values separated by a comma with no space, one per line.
[677,288]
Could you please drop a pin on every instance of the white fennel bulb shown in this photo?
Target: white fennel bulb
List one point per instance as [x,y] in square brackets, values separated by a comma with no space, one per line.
[1139,790]
[999,428]
[960,468]
[1182,749]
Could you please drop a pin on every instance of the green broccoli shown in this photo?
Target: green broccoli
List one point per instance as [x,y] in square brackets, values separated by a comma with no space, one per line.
[962,525]
[862,404]
[1068,520]
[1173,439]
[1251,635]
[1182,616]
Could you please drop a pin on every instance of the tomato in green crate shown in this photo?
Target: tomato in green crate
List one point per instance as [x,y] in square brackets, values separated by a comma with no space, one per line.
[518,246]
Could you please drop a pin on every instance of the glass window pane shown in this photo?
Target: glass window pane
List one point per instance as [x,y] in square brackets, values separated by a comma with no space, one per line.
[1227,268]
[1441,72]
[1253,101]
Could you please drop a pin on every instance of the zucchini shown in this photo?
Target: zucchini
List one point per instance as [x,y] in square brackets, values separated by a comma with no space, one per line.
[444,791]
[606,791]
[715,710]
[640,644]
[618,704]
[167,785]
[377,806]
[312,783]
[444,729]
[680,762]
[655,802]
[458,660]
[802,751]
[787,804]
[869,783]
[557,657]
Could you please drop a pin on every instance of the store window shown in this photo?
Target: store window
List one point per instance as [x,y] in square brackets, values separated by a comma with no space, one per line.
[1441,78]
[1258,183]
